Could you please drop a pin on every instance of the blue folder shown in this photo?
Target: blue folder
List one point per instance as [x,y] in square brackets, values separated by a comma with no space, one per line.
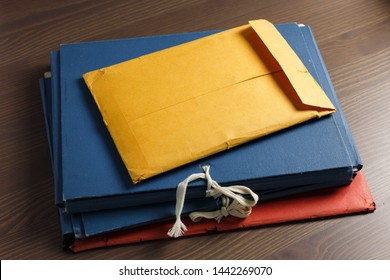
[302,41]
[91,175]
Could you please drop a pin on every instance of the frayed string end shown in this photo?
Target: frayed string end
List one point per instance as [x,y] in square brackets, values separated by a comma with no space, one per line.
[178,229]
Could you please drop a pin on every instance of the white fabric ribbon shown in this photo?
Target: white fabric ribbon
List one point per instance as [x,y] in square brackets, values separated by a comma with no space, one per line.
[233,201]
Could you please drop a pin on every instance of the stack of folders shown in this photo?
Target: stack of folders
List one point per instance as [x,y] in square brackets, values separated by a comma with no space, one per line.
[216,129]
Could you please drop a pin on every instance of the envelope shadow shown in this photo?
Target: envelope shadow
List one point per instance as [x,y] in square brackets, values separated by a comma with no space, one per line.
[108,147]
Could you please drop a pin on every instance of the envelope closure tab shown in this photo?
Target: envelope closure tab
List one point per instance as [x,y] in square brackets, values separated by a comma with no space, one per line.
[306,87]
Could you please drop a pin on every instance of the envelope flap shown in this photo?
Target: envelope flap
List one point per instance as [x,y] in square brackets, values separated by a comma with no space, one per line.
[305,86]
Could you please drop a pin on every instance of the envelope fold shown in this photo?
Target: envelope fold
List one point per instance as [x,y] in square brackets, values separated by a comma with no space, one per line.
[187,102]
[294,71]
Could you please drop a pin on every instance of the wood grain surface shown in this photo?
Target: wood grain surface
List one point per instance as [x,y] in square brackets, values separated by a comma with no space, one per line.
[354,39]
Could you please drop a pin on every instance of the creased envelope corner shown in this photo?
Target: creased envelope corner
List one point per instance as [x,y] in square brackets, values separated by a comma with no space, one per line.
[140,174]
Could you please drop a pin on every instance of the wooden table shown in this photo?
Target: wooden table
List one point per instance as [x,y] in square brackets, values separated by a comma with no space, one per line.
[354,38]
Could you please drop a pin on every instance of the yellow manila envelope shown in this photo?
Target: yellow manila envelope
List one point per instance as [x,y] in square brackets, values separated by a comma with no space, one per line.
[174,106]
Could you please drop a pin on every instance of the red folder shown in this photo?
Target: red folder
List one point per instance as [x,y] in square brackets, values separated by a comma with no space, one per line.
[353,198]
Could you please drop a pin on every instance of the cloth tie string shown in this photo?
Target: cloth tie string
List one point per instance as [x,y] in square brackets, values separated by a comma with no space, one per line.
[232,199]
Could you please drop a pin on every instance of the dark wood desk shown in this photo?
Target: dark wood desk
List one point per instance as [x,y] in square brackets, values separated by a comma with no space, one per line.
[354,38]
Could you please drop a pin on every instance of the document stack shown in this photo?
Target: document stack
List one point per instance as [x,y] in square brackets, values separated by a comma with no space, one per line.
[162,136]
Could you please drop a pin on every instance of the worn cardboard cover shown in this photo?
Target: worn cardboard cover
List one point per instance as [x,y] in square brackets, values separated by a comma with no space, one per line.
[353,198]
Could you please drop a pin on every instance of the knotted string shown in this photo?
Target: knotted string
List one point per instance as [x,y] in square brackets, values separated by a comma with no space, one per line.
[229,207]
[233,202]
